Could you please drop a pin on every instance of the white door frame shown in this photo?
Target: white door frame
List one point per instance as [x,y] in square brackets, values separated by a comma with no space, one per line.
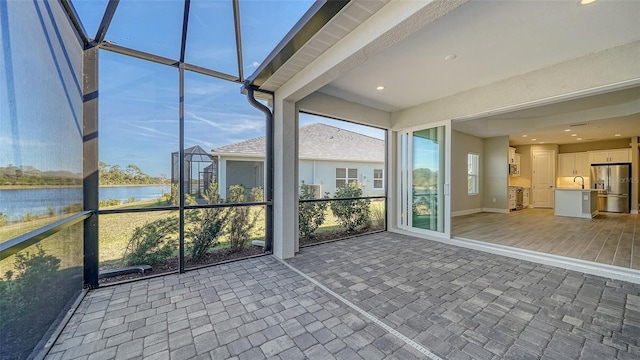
[405,163]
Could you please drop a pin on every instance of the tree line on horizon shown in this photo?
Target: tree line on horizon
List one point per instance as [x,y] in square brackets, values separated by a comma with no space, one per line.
[29,175]
[130,175]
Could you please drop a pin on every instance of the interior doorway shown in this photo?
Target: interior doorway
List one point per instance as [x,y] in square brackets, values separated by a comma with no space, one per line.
[543,178]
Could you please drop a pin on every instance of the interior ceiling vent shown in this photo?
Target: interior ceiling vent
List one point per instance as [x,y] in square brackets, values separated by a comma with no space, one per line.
[576,125]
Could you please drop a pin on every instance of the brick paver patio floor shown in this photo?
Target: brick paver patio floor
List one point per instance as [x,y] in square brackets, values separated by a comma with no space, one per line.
[381,296]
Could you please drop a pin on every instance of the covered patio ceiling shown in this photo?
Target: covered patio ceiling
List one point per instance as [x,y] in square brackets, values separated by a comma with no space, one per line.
[450,47]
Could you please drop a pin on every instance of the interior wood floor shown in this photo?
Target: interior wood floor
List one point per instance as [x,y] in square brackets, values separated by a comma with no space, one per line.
[609,238]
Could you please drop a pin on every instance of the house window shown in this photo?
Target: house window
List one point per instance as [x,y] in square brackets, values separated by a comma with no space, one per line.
[472,173]
[346,176]
[377,179]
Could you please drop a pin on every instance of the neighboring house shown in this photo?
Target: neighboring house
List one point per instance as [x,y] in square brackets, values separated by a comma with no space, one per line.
[328,158]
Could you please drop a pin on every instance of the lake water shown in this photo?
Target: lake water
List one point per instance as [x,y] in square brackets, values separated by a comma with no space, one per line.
[15,204]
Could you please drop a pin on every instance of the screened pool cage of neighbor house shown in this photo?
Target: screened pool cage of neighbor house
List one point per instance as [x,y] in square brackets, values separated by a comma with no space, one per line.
[200,168]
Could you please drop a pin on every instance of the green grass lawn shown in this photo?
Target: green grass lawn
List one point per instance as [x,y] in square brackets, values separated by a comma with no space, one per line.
[115,230]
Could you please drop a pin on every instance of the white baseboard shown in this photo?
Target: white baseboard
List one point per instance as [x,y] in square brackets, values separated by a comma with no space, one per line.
[465,212]
[493,210]
[635,212]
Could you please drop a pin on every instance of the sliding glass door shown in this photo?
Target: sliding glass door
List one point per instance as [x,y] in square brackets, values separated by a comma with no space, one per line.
[424,200]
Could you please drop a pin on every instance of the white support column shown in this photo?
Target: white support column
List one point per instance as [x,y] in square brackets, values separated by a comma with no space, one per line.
[391,182]
[222,177]
[635,175]
[285,190]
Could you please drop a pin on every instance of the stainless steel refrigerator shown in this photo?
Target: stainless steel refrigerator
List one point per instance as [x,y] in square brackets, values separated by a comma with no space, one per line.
[613,183]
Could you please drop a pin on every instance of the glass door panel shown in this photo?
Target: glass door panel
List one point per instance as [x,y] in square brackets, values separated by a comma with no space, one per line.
[427,179]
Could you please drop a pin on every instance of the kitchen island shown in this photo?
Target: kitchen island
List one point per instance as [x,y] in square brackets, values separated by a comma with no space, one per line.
[581,203]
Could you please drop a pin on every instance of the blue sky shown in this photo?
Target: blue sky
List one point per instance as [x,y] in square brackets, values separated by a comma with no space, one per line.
[138,100]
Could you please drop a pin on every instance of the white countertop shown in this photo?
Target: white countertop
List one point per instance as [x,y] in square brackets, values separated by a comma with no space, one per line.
[574,189]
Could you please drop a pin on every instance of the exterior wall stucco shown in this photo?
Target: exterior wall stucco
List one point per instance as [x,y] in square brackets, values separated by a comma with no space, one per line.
[325,175]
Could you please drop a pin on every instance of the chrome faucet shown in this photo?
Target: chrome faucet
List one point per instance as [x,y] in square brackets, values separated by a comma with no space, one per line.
[574,180]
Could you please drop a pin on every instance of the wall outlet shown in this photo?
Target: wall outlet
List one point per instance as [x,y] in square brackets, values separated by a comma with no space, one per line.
[493,199]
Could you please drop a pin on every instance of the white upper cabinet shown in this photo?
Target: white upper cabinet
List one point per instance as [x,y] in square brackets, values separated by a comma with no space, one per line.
[573,164]
[610,156]
[512,155]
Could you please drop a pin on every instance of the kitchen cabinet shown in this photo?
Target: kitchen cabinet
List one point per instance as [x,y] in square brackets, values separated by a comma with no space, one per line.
[525,197]
[573,164]
[512,155]
[515,199]
[610,156]
[517,166]
[580,203]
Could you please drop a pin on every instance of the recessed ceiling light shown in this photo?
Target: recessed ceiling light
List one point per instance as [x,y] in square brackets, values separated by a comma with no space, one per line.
[579,139]
[567,130]
[586,2]
[534,139]
[574,134]
[450,57]
[616,135]
[541,142]
[380,88]
[525,135]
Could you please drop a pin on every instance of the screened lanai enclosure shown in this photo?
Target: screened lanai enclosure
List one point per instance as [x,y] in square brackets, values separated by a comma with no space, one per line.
[200,169]
[100,182]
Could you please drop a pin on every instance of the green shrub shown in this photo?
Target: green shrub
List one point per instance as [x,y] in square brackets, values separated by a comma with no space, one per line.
[240,220]
[311,215]
[174,199]
[351,214]
[152,243]
[3,219]
[209,225]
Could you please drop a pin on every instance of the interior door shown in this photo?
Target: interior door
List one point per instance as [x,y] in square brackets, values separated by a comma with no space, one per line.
[544,178]
[424,198]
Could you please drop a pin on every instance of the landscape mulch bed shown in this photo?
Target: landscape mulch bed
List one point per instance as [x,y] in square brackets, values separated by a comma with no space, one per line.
[171,264]
[325,236]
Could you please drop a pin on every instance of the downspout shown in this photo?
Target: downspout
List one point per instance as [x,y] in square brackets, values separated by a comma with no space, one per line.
[268,245]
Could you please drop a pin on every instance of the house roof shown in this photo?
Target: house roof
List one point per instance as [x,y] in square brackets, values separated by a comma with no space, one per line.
[318,141]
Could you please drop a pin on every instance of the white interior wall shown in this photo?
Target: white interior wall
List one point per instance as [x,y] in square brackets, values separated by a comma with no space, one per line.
[496,153]
[461,201]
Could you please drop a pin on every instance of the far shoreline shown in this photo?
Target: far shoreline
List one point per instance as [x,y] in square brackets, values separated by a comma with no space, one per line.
[27,187]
